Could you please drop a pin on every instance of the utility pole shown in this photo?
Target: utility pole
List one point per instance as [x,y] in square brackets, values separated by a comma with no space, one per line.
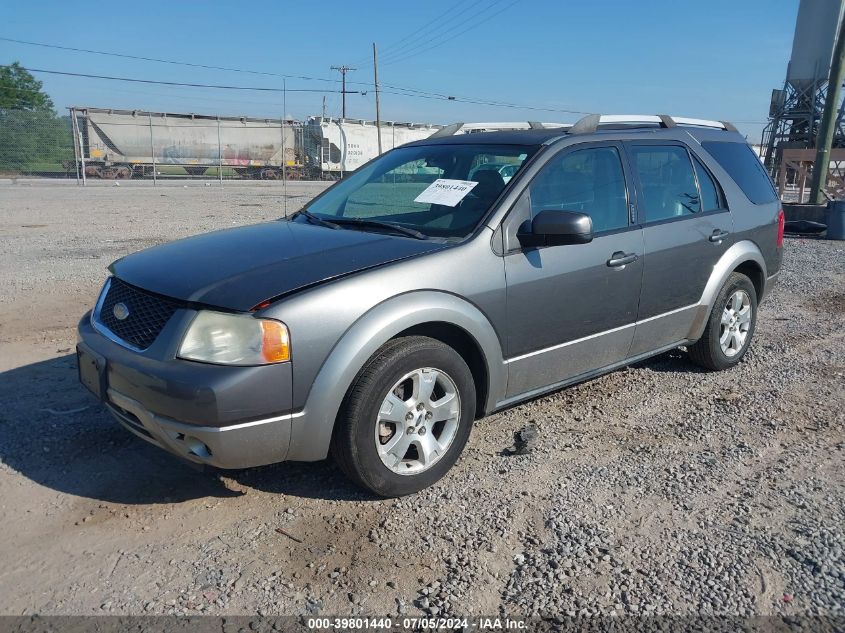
[324,106]
[284,157]
[378,105]
[827,127]
[343,70]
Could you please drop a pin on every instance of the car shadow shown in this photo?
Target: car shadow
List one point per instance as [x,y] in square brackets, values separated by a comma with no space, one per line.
[55,433]
[674,361]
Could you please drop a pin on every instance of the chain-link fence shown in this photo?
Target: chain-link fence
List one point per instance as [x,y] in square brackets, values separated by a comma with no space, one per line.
[35,143]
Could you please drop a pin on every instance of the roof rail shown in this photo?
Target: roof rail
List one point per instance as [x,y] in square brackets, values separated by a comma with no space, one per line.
[448,130]
[468,128]
[591,122]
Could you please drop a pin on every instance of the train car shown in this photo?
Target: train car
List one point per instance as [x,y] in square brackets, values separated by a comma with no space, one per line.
[127,143]
[334,147]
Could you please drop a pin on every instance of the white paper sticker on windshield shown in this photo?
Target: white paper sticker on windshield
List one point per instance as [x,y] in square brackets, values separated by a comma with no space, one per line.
[446,192]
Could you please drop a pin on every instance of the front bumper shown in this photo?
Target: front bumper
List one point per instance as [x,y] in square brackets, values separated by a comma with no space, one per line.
[242,445]
[223,416]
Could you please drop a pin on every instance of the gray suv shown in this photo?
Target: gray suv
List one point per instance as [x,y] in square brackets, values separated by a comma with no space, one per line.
[423,292]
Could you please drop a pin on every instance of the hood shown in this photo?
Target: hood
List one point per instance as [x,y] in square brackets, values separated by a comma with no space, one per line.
[241,267]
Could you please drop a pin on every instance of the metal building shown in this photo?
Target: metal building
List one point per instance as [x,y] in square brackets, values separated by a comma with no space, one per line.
[796,109]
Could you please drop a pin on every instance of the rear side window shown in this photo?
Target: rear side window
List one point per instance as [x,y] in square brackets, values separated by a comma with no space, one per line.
[667,181]
[745,168]
[709,192]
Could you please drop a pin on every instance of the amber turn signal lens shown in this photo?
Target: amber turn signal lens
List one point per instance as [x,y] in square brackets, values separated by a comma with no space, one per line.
[275,342]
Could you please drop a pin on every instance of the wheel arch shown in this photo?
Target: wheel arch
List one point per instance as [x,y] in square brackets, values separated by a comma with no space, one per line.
[754,272]
[744,257]
[441,315]
[462,342]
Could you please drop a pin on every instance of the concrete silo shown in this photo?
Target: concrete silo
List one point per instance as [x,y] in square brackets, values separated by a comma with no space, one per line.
[796,109]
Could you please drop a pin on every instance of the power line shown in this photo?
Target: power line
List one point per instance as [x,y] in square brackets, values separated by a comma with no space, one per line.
[428,46]
[420,34]
[452,25]
[173,83]
[163,61]
[495,104]
[265,89]
[438,19]
[402,92]
[223,68]
[182,63]
[169,95]
[404,89]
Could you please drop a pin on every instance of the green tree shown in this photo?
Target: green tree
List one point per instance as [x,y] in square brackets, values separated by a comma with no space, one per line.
[19,90]
[32,136]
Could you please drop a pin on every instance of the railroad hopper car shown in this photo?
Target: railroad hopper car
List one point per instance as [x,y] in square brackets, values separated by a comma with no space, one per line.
[334,147]
[126,143]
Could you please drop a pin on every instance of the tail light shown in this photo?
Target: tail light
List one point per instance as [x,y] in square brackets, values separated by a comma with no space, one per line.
[781,224]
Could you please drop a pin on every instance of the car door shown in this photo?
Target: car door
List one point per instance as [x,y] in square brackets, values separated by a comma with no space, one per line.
[686,229]
[571,308]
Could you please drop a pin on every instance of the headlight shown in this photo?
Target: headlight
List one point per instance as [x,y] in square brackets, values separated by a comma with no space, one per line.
[235,339]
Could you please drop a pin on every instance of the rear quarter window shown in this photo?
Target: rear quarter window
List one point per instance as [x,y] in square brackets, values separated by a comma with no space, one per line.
[739,160]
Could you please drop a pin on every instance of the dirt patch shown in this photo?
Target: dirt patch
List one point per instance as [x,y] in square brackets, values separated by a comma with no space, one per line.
[656,489]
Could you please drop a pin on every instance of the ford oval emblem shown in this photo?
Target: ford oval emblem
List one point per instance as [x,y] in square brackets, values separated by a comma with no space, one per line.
[120,311]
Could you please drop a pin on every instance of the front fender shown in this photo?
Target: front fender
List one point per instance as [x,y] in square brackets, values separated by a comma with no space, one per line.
[312,429]
[736,255]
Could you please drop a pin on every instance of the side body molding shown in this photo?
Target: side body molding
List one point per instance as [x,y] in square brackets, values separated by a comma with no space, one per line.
[737,254]
[311,432]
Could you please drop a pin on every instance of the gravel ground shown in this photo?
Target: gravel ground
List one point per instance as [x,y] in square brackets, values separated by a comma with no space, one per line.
[658,489]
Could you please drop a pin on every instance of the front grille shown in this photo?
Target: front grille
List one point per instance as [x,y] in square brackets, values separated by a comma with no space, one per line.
[147,313]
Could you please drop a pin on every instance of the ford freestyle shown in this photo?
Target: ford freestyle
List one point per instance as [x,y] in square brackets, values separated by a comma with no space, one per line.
[425,291]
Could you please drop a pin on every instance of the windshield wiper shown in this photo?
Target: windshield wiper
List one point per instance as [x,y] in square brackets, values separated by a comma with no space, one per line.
[315,219]
[381,225]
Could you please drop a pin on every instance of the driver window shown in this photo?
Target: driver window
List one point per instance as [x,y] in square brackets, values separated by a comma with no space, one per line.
[588,180]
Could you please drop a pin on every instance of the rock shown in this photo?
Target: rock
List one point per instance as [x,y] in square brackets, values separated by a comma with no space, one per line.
[524,440]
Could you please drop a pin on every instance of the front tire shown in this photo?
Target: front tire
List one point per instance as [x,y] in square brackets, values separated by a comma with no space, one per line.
[406,418]
[730,327]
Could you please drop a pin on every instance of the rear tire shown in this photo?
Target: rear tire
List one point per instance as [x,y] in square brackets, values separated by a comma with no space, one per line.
[406,418]
[730,326]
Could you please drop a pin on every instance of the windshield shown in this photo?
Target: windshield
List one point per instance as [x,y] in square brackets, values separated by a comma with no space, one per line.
[438,190]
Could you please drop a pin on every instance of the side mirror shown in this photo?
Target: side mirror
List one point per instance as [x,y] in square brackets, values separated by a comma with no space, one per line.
[553,228]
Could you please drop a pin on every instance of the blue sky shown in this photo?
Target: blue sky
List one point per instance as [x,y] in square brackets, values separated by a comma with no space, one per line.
[714,59]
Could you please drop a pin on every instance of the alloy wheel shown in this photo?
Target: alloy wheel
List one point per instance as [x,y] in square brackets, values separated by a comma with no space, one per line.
[735,323]
[417,421]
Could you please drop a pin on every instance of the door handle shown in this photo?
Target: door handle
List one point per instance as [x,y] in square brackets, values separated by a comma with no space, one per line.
[718,235]
[619,259]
